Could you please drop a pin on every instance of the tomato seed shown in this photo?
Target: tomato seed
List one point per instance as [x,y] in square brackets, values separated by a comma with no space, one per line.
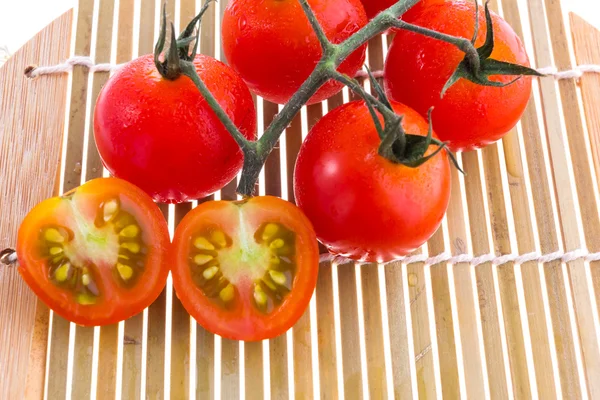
[132,247]
[125,271]
[110,210]
[130,231]
[201,259]
[202,243]
[277,244]
[55,250]
[62,272]
[270,231]
[210,273]
[53,235]
[278,277]
[227,294]
[218,237]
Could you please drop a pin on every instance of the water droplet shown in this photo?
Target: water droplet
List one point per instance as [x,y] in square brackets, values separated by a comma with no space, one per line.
[242,23]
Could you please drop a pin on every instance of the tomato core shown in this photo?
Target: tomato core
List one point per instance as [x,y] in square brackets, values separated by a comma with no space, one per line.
[257,267]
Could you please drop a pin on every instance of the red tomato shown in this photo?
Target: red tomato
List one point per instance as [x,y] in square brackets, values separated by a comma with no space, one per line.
[271,44]
[245,270]
[162,136]
[96,255]
[362,205]
[469,116]
[374,7]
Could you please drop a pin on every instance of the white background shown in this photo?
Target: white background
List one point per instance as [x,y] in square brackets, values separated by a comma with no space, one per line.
[22,19]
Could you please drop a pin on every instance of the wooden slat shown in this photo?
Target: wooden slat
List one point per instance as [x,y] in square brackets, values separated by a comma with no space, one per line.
[326,333]
[230,369]
[351,363]
[444,322]
[425,357]
[466,293]
[205,374]
[180,334]
[489,307]
[253,359]
[403,370]
[376,370]
[155,360]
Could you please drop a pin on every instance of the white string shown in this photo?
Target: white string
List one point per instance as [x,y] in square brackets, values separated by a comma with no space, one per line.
[67,66]
[562,256]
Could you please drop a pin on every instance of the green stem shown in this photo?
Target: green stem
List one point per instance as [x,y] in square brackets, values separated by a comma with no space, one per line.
[463,44]
[189,69]
[326,45]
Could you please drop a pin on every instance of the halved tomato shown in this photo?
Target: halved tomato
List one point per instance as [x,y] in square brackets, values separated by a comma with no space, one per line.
[95,255]
[245,270]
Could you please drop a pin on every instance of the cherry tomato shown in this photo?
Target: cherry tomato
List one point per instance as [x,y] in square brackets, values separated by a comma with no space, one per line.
[271,44]
[374,7]
[96,255]
[469,116]
[362,205]
[162,136]
[245,270]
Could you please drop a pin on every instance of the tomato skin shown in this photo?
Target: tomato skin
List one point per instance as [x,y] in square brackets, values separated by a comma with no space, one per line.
[118,303]
[469,116]
[162,136]
[362,205]
[271,44]
[374,7]
[243,322]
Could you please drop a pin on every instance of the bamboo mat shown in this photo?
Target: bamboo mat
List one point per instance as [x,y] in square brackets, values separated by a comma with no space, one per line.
[400,331]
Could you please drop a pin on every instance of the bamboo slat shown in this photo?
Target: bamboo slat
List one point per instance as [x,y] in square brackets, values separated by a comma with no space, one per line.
[395,331]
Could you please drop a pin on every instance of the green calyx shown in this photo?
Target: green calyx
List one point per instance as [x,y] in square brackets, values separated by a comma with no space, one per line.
[179,47]
[487,67]
[396,145]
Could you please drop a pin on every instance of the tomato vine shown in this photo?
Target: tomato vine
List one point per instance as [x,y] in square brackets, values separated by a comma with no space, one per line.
[396,145]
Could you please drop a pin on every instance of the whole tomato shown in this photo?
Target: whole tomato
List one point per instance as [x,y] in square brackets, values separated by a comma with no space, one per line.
[161,134]
[469,116]
[374,7]
[272,45]
[362,205]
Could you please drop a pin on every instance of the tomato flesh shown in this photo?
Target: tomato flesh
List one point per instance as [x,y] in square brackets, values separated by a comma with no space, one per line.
[245,270]
[96,254]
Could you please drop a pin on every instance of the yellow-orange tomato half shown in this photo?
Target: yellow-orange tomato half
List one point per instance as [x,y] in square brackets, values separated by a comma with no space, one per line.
[245,270]
[96,255]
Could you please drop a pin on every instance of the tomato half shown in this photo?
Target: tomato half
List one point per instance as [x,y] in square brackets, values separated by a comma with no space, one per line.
[162,136]
[96,255]
[469,116]
[272,45]
[362,205]
[374,7]
[245,270]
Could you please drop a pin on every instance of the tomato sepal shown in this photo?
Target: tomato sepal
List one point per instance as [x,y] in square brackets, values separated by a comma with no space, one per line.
[480,74]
